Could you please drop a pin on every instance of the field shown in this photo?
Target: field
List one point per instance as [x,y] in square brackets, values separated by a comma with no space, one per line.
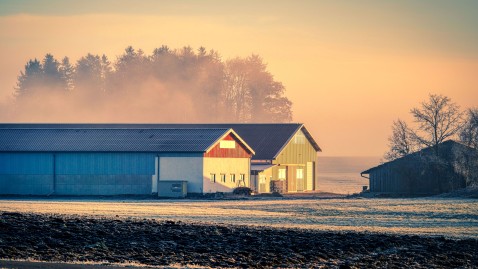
[259,233]
[454,218]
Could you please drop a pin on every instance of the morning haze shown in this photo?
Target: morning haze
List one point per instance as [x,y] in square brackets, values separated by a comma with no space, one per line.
[349,69]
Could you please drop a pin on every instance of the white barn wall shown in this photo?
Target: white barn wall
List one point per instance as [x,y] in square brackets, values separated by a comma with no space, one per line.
[183,168]
[225,166]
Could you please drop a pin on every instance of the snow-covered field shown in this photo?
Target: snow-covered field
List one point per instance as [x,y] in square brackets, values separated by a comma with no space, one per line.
[447,217]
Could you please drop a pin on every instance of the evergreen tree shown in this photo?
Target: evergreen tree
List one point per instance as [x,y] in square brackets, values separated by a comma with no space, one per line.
[106,71]
[131,69]
[87,77]
[67,72]
[29,79]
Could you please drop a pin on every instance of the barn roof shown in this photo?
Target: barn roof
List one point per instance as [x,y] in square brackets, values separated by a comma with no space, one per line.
[447,150]
[69,139]
[267,139]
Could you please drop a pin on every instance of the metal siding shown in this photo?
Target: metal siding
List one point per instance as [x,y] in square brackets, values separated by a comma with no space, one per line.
[105,163]
[26,184]
[26,163]
[291,180]
[296,154]
[103,184]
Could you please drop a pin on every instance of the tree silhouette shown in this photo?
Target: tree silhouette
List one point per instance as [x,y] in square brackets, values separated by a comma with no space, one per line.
[469,133]
[67,72]
[88,78]
[438,119]
[52,76]
[29,79]
[400,142]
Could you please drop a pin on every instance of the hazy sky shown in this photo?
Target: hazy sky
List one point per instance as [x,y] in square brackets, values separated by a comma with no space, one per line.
[350,67]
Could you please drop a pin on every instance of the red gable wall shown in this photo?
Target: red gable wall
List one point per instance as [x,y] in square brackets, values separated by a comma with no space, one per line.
[239,152]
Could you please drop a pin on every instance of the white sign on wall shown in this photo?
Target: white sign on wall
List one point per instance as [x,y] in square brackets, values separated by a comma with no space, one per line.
[227,144]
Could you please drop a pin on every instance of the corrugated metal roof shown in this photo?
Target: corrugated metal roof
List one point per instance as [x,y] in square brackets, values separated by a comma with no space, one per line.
[108,139]
[266,139]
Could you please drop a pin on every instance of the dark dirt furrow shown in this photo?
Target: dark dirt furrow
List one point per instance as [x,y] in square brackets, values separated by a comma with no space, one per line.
[73,238]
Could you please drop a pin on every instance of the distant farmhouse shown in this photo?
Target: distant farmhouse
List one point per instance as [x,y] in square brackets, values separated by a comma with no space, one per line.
[424,172]
[118,159]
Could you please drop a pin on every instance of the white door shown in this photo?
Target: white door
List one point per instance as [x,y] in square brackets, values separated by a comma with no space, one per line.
[310,176]
[262,183]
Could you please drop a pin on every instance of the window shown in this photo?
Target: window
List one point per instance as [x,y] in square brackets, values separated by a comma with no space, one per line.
[300,173]
[233,177]
[227,144]
[213,178]
[223,178]
[282,173]
[242,177]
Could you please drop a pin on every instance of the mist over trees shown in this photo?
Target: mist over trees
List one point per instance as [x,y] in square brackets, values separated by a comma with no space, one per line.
[170,85]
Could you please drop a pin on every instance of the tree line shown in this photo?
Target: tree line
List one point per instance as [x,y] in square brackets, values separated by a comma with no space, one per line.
[199,82]
[437,120]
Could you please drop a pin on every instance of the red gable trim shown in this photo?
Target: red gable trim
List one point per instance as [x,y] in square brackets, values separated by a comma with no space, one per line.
[240,151]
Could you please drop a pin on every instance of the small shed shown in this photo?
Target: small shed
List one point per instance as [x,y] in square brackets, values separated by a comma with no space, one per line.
[428,171]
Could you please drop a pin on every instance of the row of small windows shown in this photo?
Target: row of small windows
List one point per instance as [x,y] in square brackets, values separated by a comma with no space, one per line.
[232,177]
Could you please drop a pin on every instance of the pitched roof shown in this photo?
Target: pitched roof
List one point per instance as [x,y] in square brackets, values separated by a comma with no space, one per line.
[109,139]
[448,151]
[267,139]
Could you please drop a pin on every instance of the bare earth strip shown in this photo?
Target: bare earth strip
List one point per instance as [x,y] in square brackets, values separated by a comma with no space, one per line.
[329,233]
[82,239]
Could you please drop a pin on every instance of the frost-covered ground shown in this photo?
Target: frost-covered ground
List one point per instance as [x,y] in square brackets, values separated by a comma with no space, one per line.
[423,216]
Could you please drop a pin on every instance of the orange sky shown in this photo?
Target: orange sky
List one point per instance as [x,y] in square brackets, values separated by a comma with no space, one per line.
[349,68]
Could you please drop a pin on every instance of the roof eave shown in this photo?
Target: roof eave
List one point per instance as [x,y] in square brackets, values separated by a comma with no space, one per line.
[311,139]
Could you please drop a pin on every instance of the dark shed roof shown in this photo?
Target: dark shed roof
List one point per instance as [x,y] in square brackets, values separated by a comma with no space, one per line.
[108,139]
[447,150]
[266,139]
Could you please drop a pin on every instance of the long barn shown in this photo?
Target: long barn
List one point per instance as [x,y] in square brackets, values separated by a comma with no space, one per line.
[74,160]
[284,159]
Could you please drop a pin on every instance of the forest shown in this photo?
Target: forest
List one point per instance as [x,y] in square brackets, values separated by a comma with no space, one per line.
[170,85]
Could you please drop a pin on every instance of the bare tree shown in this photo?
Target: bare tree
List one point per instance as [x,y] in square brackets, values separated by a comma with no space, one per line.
[400,142]
[467,159]
[438,120]
[469,133]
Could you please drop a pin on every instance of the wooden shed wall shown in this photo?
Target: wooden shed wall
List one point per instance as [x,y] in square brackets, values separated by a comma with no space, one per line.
[295,155]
